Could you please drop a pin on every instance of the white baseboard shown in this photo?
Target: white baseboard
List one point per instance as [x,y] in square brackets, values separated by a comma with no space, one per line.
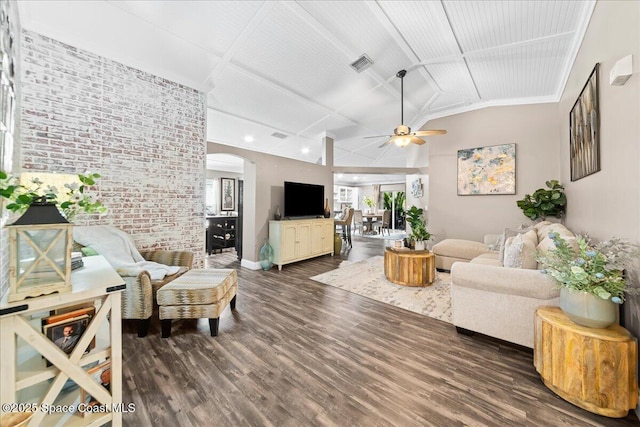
[251,265]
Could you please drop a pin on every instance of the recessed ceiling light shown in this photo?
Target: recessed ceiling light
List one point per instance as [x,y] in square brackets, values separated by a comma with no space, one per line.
[355,178]
[248,138]
[305,150]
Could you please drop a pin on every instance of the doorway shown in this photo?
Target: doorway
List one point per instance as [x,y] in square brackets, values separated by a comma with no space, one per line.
[395,201]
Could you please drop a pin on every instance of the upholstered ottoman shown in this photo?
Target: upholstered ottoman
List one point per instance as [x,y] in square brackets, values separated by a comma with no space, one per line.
[197,294]
[452,250]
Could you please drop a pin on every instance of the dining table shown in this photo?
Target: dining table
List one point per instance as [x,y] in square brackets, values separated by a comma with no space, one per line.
[367,221]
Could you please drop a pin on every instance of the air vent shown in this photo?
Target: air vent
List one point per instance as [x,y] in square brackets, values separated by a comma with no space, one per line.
[279,135]
[362,63]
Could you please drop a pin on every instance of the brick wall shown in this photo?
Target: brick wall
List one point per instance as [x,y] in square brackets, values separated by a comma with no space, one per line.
[145,135]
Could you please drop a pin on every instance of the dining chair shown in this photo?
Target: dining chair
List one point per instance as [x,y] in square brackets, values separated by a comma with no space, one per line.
[345,225]
[384,223]
[358,221]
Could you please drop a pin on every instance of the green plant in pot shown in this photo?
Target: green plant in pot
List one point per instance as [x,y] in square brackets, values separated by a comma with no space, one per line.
[419,232]
[543,203]
[590,276]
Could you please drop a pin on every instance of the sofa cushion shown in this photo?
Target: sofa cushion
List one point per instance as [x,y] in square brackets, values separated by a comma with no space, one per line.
[490,258]
[547,243]
[460,248]
[541,229]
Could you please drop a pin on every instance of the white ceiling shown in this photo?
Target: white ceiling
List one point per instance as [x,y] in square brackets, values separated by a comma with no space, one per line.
[283,66]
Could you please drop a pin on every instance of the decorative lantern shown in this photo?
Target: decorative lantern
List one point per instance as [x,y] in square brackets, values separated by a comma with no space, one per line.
[40,244]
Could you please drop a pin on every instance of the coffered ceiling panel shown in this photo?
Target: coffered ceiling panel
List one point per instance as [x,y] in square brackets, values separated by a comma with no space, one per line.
[522,72]
[284,66]
[454,77]
[424,26]
[242,95]
[301,58]
[202,23]
[486,24]
[356,29]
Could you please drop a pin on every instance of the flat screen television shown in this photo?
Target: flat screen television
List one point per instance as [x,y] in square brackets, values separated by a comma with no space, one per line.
[303,200]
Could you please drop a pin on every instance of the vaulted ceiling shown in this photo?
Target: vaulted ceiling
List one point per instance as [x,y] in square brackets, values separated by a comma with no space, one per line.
[277,73]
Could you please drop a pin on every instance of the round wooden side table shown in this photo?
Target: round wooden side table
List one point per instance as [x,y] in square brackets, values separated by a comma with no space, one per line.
[409,267]
[592,368]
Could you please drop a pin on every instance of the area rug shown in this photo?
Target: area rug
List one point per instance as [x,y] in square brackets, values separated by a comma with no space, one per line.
[367,278]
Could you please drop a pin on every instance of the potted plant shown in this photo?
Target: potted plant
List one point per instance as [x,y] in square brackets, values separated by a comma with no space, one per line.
[544,203]
[369,202]
[419,233]
[590,277]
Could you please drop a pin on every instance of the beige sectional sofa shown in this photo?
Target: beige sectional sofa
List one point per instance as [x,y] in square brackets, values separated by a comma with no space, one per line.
[497,292]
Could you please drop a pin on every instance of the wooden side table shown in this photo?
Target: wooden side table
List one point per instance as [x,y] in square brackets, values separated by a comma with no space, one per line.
[408,267]
[594,369]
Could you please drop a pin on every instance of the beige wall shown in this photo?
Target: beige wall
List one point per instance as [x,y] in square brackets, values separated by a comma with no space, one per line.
[533,128]
[607,203]
[264,177]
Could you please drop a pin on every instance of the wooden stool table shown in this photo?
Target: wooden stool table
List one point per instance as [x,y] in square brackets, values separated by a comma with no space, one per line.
[409,267]
[592,368]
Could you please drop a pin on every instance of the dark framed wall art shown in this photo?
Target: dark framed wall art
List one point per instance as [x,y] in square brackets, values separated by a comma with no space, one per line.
[227,194]
[487,170]
[584,130]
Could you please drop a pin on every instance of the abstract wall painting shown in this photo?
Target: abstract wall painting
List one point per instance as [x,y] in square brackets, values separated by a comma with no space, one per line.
[487,170]
[584,130]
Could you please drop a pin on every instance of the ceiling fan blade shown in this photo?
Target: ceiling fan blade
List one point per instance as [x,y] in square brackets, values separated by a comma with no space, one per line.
[430,132]
[378,136]
[416,140]
[387,142]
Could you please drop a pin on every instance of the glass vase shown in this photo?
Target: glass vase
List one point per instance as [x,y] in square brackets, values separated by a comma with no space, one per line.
[266,256]
[587,309]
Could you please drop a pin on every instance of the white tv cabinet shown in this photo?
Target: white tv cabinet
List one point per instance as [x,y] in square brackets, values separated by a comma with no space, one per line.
[24,377]
[299,239]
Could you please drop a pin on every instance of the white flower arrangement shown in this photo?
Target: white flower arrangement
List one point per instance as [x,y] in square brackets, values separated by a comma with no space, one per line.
[73,200]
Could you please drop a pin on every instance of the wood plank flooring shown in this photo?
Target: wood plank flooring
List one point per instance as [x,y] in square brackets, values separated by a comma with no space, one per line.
[299,353]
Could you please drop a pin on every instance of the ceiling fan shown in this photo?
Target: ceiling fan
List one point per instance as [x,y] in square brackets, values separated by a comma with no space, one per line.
[402,135]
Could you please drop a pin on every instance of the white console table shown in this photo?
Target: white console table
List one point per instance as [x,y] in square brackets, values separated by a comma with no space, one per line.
[24,376]
[297,240]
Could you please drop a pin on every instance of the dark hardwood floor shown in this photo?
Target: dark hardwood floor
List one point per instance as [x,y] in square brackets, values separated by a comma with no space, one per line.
[299,353]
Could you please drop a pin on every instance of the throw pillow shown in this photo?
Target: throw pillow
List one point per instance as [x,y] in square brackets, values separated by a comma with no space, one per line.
[509,232]
[520,251]
[495,246]
[88,251]
[529,243]
[513,252]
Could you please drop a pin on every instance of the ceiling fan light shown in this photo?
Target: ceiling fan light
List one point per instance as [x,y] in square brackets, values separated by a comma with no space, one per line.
[402,140]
